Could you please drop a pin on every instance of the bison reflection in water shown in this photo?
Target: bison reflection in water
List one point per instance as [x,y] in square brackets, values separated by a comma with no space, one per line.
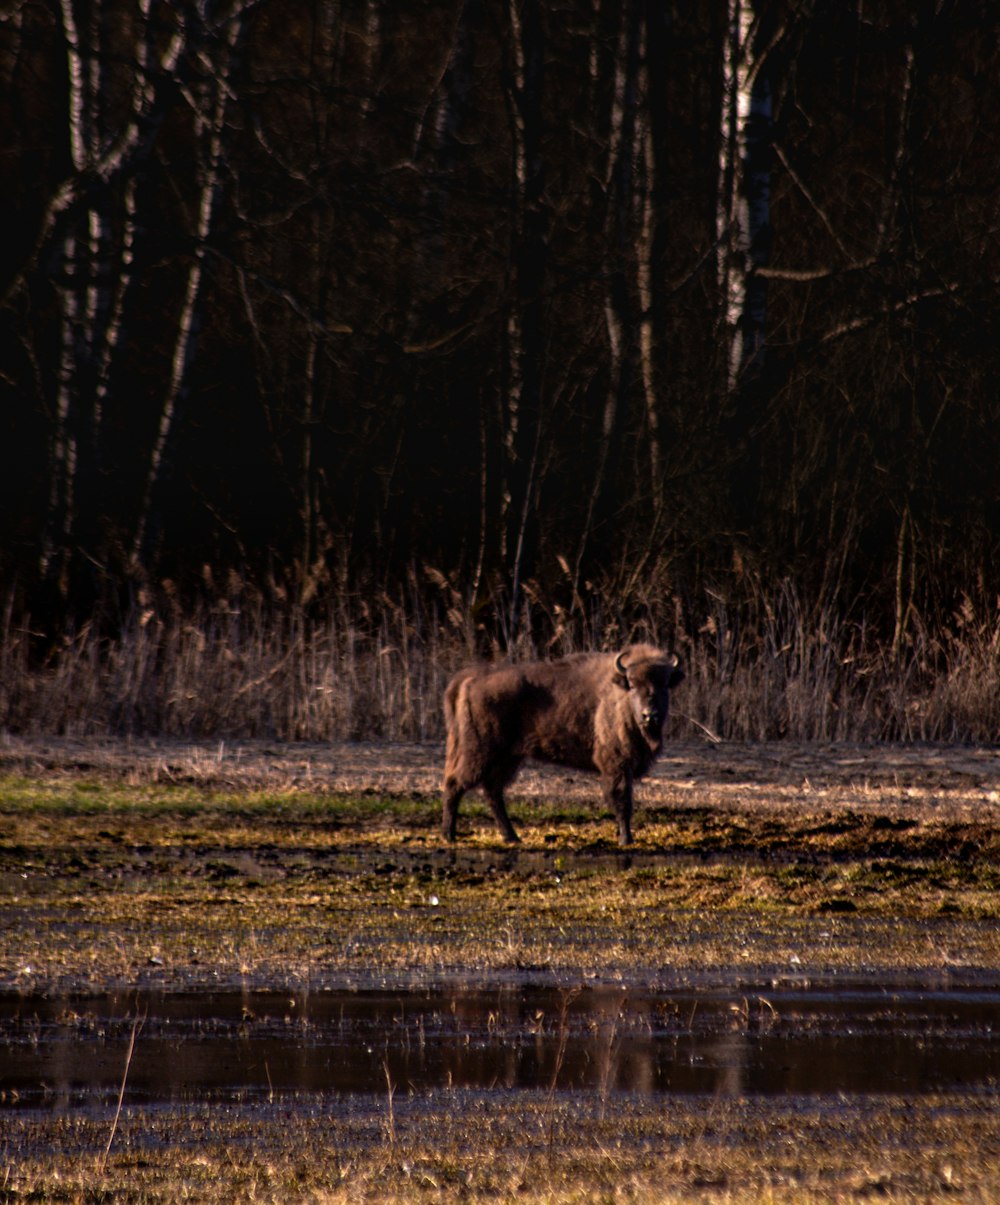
[591,711]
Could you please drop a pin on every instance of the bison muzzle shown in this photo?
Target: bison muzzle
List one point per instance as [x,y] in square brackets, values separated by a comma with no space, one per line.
[591,711]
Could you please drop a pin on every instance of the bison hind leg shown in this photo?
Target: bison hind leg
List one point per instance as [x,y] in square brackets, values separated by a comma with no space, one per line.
[453,793]
[460,777]
[461,774]
[494,781]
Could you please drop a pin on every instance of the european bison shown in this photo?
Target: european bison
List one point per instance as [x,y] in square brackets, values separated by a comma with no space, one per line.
[591,711]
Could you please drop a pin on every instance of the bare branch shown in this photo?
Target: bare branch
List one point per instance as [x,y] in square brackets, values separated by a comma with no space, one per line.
[810,274]
[313,321]
[813,203]
[911,299]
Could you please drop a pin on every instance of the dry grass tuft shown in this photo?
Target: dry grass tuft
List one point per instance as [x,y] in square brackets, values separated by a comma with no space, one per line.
[769,668]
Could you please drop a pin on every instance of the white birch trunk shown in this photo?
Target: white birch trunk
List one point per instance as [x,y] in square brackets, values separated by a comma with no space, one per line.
[95,269]
[732,214]
[75,80]
[106,154]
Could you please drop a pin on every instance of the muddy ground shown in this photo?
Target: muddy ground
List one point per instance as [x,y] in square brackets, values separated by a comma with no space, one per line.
[953,778]
[182,867]
[292,864]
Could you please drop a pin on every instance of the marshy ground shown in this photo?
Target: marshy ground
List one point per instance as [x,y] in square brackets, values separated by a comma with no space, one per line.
[140,872]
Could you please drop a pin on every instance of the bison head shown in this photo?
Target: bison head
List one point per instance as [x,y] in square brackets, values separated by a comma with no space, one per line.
[648,681]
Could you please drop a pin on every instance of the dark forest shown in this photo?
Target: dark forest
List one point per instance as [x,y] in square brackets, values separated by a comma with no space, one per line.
[545,325]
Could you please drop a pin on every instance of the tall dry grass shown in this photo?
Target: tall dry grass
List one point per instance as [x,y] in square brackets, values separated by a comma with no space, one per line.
[766,669]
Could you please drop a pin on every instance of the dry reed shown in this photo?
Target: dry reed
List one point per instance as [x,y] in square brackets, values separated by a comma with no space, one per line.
[768,668]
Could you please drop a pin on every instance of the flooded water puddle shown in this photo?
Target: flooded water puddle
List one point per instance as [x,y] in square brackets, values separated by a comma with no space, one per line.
[789,1038]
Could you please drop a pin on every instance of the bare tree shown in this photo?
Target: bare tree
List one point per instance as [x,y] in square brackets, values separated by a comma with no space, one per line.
[207,92]
[525,327]
[511,290]
[88,229]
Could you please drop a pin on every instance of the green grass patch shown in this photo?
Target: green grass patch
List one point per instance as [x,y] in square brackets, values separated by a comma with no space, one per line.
[98,879]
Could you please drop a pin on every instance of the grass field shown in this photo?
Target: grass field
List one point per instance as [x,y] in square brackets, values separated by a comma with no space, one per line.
[301,866]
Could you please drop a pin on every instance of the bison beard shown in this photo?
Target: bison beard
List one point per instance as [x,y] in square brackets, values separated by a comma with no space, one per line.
[599,711]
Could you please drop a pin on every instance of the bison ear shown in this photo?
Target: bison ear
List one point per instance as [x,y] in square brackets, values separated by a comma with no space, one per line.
[620,677]
[676,673]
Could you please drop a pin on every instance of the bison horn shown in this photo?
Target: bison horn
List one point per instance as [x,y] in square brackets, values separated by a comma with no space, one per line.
[620,666]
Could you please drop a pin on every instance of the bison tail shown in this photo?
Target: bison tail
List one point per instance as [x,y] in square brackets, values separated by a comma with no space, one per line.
[450,702]
[453,692]
[453,728]
[452,719]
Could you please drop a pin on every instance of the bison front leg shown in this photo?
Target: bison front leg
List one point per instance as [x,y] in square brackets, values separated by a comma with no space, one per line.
[618,797]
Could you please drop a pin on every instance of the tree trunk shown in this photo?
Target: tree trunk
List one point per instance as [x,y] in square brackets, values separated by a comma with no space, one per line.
[624,142]
[743,209]
[91,217]
[743,234]
[208,104]
[526,337]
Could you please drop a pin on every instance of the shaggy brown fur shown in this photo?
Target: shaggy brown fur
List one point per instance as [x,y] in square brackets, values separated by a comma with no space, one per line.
[592,711]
